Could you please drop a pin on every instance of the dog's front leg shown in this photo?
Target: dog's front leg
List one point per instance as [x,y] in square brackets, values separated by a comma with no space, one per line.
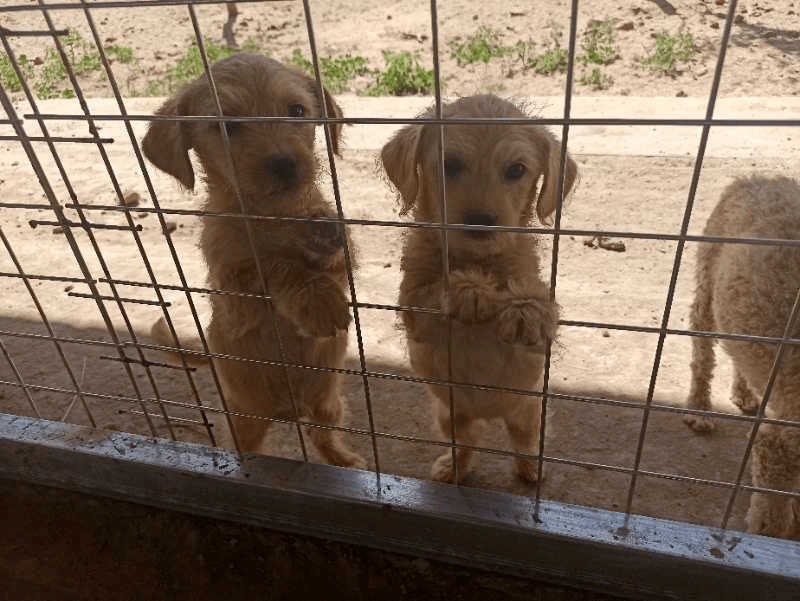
[527,319]
[312,301]
[471,296]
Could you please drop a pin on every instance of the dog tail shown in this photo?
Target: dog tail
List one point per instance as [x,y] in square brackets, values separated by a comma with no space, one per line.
[162,336]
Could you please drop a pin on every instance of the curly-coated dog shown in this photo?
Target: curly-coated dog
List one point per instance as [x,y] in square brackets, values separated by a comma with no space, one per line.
[272,172]
[493,311]
[750,289]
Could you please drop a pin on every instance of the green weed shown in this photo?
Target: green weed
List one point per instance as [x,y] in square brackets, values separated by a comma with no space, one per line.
[122,54]
[597,80]
[600,43]
[669,50]
[8,77]
[549,62]
[481,46]
[336,72]
[403,76]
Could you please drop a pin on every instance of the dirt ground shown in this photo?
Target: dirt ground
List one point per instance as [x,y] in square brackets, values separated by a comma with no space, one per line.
[643,191]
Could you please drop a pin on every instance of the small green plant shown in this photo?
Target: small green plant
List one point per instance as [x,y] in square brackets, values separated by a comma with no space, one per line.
[600,43]
[481,46]
[122,54]
[8,77]
[336,72]
[190,65]
[549,62]
[597,80]
[403,76]
[669,50]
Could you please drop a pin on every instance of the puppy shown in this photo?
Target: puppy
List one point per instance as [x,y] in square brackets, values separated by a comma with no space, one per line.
[272,173]
[749,289]
[494,312]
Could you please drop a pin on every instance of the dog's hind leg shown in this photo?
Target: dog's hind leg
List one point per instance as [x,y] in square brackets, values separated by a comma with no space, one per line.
[329,442]
[467,430]
[776,465]
[743,397]
[703,361]
[523,427]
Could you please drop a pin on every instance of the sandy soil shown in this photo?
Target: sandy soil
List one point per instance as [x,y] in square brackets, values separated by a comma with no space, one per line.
[624,187]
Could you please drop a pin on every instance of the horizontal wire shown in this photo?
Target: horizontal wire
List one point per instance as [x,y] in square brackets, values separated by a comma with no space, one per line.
[53,278]
[58,139]
[33,33]
[34,223]
[611,121]
[413,439]
[120,299]
[455,226]
[410,379]
[98,4]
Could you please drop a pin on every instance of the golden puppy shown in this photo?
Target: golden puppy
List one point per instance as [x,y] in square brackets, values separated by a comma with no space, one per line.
[750,289]
[272,173]
[494,309]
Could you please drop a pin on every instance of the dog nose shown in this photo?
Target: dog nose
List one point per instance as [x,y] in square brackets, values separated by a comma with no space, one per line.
[282,167]
[480,219]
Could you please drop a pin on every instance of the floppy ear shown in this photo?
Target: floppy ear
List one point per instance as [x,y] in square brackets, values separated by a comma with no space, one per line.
[334,110]
[399,158]
[547,202]
[166,143]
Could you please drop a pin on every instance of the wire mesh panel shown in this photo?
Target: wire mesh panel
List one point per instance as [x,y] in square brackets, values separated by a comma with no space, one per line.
[98,245]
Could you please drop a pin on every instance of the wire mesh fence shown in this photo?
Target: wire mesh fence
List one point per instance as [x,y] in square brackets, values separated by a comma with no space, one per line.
[75,328]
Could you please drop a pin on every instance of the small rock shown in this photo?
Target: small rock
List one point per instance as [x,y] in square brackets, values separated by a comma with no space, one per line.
[142,215]
[606,334]
[626,26]
[681,94]
[68,288]
[387,265]
[38,60]
[58,230]
[738,19]
[714,25]
[171,226]
[131,199]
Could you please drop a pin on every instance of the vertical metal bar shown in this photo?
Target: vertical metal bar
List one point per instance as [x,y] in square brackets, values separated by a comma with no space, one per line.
[562,171]
[248,225]
[679,251]
[101,259]
[18,377]
[139,245]
[347,256]
[36,165]
[46,322]
[437,83]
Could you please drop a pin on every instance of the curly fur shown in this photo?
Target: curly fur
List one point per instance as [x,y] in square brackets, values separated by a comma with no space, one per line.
[272,173]
[495,311]
[749,289]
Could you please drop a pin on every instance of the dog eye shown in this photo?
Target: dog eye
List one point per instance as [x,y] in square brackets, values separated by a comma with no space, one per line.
[296,110]
[452,167]
[515,171]
[232,127]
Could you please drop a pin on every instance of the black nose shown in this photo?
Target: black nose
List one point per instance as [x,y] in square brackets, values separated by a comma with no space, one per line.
[480,219]
[282,167]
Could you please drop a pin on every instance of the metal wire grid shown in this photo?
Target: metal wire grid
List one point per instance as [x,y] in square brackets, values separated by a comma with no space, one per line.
[121,346]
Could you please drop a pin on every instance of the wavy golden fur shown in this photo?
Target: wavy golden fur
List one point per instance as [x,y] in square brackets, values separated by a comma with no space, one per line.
[495,305]
[272,173]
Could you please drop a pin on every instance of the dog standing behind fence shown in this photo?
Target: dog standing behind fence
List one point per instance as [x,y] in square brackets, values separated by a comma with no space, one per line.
[271,172]
[500,313]
[750,289]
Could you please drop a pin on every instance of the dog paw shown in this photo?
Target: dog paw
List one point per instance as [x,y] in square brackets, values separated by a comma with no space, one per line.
[324,311]
[527,470]
[442,469]
[351,459]
[529,322]
[699,423]
[471,297]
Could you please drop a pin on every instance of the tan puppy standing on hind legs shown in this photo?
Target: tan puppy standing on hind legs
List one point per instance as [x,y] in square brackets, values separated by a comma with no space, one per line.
[750,289]
[272,172]
[497,309]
